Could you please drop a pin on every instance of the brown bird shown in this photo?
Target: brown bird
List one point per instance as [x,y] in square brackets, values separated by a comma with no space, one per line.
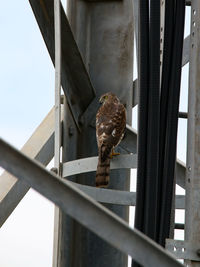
[110,126]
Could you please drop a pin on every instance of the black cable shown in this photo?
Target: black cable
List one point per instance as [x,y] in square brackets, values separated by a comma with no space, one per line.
[172,122]
[166,71]
[150,212]
[148,128]
[157,129]
[143,82]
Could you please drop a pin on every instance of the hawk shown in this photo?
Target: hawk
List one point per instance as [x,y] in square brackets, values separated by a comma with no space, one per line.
[110,126]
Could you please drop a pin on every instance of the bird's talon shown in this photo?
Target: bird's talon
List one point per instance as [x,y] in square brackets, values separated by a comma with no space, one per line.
[114,154]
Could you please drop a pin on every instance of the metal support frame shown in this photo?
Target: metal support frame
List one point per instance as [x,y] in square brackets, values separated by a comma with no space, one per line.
[118,197]
[45,23]
[104,37]
[71,200]
[184,250]
[13,190]
[57,143]
[41,147]
[192,216]
[76,83]
[127,161]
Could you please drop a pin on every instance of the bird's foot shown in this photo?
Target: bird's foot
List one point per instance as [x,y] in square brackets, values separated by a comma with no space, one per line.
[113,153]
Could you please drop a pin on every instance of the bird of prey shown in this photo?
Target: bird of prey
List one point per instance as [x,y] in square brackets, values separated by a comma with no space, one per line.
[110,126]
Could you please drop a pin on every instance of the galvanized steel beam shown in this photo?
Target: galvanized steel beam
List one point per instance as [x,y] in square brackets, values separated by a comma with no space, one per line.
[57,142]
[58,59]
[88,212]
[104,34]
[192,216]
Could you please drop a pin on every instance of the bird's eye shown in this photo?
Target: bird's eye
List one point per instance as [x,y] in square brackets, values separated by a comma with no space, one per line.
[105,97]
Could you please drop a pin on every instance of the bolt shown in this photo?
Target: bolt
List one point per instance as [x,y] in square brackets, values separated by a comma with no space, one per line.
[71,130]
[55,170]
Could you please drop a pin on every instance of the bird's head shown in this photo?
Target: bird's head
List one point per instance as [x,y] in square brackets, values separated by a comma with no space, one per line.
[107,97]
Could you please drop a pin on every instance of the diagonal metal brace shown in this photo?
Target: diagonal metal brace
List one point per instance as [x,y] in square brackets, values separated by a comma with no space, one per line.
[75,79]
[84,209]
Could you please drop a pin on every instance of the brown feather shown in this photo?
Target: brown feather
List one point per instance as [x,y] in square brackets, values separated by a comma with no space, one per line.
[102,174]
[110,126]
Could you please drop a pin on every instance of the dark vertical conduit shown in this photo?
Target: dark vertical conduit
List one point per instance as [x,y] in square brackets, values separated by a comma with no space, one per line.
[148,128]
[143,83]
[158,116]
[166,71]
[150,211]
[172,122]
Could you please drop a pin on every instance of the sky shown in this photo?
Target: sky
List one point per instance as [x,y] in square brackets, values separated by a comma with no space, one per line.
[26,96]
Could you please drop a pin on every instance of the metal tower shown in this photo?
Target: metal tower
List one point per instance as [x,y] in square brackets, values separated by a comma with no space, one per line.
[92,50]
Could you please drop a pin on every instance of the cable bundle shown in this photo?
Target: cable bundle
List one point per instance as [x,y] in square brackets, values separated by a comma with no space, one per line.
[158,115]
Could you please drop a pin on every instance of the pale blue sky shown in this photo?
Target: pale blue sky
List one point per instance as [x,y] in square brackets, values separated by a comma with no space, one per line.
[26,96]
[26,74]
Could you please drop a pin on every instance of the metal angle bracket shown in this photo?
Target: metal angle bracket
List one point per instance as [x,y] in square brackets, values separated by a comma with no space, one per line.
[183,249]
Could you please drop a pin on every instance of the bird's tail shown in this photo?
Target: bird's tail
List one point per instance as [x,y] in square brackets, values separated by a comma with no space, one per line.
[102,174]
